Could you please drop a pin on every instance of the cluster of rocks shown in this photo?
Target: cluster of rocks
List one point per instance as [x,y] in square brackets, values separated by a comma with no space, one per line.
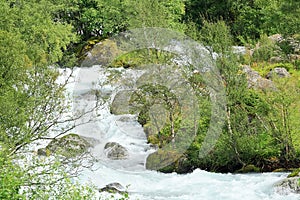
[290,45]
[255,80]
[73,145]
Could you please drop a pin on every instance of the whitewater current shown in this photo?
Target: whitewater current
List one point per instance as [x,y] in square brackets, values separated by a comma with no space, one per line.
[144,184]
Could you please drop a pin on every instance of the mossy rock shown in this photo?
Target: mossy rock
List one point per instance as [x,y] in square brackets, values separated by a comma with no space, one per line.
[280,170]
[248,169]
[141,58]
[70,145]
[102,53]
[163,161]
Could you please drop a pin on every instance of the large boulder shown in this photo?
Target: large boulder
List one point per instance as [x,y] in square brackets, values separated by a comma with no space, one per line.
[120,104]
[168,162]
[115,151]
[279,72]
[70,145]
[102,53]
[255,80]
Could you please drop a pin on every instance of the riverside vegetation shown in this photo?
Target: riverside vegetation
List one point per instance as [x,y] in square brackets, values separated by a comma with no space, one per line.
[262,128]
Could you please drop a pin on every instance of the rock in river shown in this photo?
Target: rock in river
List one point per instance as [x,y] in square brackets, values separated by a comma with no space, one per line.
[115,151]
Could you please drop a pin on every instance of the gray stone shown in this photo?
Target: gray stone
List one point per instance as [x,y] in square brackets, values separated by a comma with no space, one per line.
[115,151]
[278,72]
[255,80]
[276,59]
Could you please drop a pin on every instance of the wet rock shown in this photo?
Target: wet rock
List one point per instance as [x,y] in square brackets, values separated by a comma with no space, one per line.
[279,72]
[43,152]
[115,151]
[70,145]
[92,141]
[288,185]
[163,161]
[113,188]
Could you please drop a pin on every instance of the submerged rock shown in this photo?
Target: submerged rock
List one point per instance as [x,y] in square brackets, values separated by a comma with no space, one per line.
[115,151]
[113,188]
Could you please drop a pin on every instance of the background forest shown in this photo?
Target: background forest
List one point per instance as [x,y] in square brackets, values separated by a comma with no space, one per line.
[262,128]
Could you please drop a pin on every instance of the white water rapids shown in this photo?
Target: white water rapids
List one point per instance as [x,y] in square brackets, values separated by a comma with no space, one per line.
[151,185]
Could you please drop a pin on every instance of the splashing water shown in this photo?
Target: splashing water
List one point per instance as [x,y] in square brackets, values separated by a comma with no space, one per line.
[150,185]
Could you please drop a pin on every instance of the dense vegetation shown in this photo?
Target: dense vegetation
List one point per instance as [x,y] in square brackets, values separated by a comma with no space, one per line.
[262,125]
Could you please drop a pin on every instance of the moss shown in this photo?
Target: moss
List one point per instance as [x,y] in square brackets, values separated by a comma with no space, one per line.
[153,139]
[294,173]
[264,68]
[141,57]
[248,169]
[280,170]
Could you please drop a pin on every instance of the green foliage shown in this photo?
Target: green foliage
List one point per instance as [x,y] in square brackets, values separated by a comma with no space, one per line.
[31,100]
[264,68]
[294,173]
[156,13]
[282,119]
[247,19]
[217,36]
[100,18]
[11,179]
[266,49]
[142,57]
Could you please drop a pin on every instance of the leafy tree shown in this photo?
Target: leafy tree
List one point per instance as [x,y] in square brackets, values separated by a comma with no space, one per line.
[283,101]
[31,99]
[156,13]
[245,109]
[101,18]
